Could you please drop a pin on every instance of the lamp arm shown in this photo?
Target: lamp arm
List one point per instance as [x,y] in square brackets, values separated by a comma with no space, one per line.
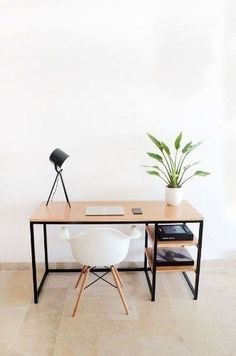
[57,169]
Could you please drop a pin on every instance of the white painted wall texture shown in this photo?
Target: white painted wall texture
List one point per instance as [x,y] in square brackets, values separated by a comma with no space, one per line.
[93,77]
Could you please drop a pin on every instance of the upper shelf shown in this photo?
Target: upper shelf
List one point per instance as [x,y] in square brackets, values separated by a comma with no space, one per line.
[170,243]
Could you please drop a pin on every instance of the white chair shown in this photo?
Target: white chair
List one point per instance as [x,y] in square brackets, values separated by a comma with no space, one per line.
[100,247]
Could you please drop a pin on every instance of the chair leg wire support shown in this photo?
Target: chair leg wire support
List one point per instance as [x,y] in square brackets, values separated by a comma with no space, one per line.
[84,275]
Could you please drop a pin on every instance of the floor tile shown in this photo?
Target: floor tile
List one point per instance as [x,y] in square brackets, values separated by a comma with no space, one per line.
[173,325]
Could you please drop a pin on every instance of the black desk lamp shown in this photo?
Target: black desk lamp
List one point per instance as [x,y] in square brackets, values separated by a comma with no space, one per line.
[58,157]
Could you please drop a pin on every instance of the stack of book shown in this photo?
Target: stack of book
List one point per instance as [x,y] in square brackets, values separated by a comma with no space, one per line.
[174,232]
[173,257]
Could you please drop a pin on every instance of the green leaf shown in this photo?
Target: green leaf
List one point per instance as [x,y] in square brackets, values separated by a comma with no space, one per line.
[166,148]
[156,167]
[201,173]
[155,156]
[190,165]
[192,147]
[153,173]
[177,141]
[155,141]
[186,147]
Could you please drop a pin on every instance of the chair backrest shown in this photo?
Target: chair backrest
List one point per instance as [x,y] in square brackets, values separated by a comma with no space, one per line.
[100,247]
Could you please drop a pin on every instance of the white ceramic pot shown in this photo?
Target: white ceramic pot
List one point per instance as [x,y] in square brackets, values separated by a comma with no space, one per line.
[173,196]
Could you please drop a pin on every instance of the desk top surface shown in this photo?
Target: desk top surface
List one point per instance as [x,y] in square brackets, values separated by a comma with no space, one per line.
[153,211]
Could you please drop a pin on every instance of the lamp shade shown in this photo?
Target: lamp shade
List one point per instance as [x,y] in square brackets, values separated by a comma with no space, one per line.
[58,157]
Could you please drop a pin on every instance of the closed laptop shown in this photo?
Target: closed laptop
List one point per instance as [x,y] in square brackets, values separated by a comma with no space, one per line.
[104,210]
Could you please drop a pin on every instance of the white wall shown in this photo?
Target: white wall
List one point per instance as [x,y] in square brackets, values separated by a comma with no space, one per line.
[92,77]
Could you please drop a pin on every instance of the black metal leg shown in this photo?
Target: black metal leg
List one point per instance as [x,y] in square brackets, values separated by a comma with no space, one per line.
[198,260]
[54,183]
[33,263]
[64,188]
[145,267]
[154,265]
[153,285]
[45,246]
[151,281]
[146,245]
[189,282]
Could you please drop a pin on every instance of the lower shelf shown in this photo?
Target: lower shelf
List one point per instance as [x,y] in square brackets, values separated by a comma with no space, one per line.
[149,254]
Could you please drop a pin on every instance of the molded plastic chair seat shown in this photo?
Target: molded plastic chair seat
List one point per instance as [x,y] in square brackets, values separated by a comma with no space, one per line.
[100,247]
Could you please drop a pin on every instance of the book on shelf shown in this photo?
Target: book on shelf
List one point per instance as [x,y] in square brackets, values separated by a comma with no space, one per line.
[173,257]
[174,232]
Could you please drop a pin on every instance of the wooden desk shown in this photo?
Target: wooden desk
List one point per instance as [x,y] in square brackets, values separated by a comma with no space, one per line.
[154,212]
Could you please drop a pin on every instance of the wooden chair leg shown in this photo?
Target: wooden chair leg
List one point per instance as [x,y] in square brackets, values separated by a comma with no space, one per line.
[119,289]
[118,276]
[80,276]
[81,289]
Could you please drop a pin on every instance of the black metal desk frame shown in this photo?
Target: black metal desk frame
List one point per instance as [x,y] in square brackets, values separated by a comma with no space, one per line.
[151,282]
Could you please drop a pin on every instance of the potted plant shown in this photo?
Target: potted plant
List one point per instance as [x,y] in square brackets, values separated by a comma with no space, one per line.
[173,168]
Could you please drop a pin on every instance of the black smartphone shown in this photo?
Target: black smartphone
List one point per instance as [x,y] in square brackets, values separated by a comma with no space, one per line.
[137,211]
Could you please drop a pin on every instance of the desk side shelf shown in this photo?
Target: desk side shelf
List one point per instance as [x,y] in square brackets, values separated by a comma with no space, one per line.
[165,244]
[181,245]
[168,244]
[149,254]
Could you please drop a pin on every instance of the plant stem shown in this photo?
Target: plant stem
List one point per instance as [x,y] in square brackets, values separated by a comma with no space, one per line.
[163,174]
[167,163]
[188,179]
[164,180]
[181,163]
[181,177]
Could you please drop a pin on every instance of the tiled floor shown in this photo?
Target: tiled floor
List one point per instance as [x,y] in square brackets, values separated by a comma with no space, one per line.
[173,325]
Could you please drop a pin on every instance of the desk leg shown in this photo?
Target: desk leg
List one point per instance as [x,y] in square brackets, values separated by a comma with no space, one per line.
[45,247]
[198,260]
[146,245]
[33,263]
[154,265]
